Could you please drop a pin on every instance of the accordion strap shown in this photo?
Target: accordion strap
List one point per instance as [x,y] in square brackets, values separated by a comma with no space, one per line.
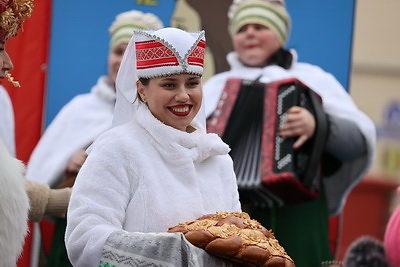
[320,136]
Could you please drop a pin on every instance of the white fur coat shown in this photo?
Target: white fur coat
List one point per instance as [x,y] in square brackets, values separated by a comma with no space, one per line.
[7,121]
[145,176]
[14,206]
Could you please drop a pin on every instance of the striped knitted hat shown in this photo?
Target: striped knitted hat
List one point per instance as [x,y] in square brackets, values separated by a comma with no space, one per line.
[122,28]
[270,13]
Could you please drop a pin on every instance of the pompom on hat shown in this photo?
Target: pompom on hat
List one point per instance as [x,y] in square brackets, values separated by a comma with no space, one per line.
[121,30]
[13,13]
[269,13]
[153,54]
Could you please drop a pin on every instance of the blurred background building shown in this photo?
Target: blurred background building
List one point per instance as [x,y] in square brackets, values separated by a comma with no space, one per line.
[375,77]
[375,87]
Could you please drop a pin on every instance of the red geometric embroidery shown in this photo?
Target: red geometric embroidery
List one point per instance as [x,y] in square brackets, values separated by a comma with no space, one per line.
[197,56]
[151,54]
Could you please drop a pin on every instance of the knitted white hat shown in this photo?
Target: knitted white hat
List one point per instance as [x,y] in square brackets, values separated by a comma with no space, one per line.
[121,30]
[270,13]
[152,54]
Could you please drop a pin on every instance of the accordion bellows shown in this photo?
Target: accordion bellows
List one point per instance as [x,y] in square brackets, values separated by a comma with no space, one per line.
[235,237]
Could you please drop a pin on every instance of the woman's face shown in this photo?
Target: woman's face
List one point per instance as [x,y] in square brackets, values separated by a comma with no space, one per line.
[114,60]
[255,44]
[5,60]
[174,100]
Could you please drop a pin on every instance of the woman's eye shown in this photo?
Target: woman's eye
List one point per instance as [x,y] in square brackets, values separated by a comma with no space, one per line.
[118,52]
[168,85]
[243,28]
[193,84]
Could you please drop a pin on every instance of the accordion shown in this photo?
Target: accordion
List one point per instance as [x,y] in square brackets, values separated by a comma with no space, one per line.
[269,170]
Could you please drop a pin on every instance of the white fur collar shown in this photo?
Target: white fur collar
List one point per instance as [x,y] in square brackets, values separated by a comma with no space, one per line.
[173,143]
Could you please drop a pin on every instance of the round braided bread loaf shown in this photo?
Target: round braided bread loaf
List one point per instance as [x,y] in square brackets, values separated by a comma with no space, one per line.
[235,237]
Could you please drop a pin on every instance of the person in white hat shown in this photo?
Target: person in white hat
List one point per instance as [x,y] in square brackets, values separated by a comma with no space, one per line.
[157,166]
[60,152]
[260,30]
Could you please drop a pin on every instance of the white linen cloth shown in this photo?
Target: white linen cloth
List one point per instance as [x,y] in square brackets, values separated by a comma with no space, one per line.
[336,102]
[145,176]
[7,127]
[133,249]
[75,127]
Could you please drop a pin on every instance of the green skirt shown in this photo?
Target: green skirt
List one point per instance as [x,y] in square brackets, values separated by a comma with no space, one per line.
[302,229]
[58,253]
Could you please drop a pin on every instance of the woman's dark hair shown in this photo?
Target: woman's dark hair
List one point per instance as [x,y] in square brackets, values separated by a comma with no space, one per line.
[282,58]
[144,81]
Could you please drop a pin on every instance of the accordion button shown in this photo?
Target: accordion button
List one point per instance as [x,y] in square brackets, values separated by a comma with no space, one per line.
[214,121]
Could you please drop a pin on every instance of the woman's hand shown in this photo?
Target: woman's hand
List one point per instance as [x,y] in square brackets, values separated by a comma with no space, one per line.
[299,122]
[76,161]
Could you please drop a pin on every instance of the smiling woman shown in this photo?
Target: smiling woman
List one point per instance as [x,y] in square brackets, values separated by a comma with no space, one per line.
[157,166]
[175,100]
[60,153]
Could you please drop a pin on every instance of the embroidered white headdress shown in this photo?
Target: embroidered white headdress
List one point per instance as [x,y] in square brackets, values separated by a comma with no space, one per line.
[152,54]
